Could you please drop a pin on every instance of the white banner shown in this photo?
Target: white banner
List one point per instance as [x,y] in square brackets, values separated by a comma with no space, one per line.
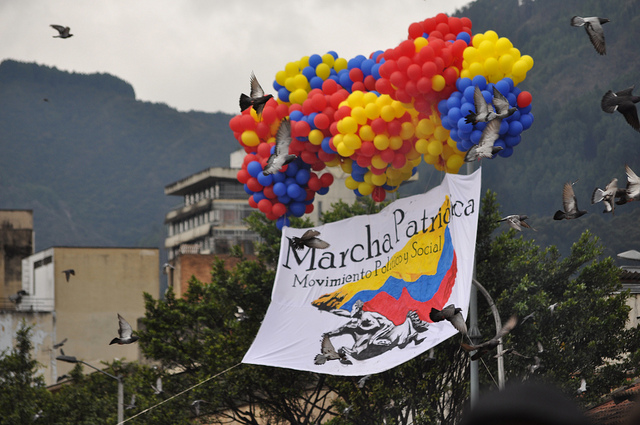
[362,305]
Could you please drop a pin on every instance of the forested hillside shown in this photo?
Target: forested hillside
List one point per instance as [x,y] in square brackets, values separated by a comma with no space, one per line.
[92,161]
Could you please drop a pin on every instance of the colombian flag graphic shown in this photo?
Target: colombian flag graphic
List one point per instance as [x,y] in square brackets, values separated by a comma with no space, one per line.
[357,301]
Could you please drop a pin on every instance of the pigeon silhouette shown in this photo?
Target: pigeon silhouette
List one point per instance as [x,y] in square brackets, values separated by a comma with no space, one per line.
[309,239]
[484,113]
[256,97]
[536,364]
[132,404]
[624,102]
[570,205]
[157,388]
[510,351]
[125,333]
[517,221]
[485,147]
[593,26]
[60,344]
[607,196]
[489,345]
[328,352]
[632,191]
[196,406]
[68,273]
[583,387]
[452,314]
[240,314]
[63,32]
[281,156]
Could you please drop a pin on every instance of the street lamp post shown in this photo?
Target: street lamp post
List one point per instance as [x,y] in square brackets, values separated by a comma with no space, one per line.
[72,359]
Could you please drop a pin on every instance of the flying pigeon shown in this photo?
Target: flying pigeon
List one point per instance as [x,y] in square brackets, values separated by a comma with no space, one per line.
[624,102]
[281,156]
[309,239]
[517,221]
[125,331]
[363,380]
[536,364]
[632,191]
[68,273]
[328,352]
[485,147]
[256,97]
[510,351]
[132,404]
[63,31]
[196,406]
[607,196]
[583,387]
[593,26]
[452,314]
[570,205]
[552,307]
[17,297]
[527,317]
[240,314]
[484,113]
[166,267]
[60,344]
[157,388]
[489,345]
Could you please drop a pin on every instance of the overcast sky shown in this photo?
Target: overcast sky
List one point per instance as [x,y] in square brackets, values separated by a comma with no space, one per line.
[198,54]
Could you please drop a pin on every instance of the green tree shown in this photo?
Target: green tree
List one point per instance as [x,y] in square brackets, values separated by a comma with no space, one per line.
[23,395]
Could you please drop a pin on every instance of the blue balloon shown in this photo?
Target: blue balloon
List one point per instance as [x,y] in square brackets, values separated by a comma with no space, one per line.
[281,222]
[366,66]
[258,196]
[526,109]
[454,114]
[526,120]
[316,82]
[315,60]
[503,87]
[279,177]
[284,199]
[292,169]
[475,136]
[462,84]
[296,115]
[302,176]
[344,80]
[283,94]
[276,86]
[375,71]
[265,180]
[453,102]
[515,128]
[280,189]
[446,122]
[512,141]
[442,107]
[293,190]
[326,145]
[309,72]
[297,209]
[246,189]
[453,133]
[464,36]
[506,152]
[323,191]
[464,126]
[512,99]
[468,94]
[488,96]
[466,145]
[467,108]
[504,127]
[254,168]
[480,81]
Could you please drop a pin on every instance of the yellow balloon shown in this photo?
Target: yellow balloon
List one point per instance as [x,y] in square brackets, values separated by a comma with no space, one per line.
[491,66]
[491,35]
[506,62]
[344,150]
[378,162]
[351,141]
[407,131]
[369,97]
[378,179]
[384,100]
[328,59]
[281,77]
[298,96]
[387,113]
[398,108]
[430,159]
[323,70]
[434,148]
[303,62]
[366,133]
[441,134]
[465,73]
[395,142]
[476,68]
[300,81]
[359,115]
[372,110]
[503,45]
[515,53]
[519,68]
[438,82]
[365,188]
[356,99]
[334,162]
[367,177]
[470,54]
[528,60]
[392,173]
[477,39]
[425,128]
[347,125]
[420,42]
[346,165]
[292,69]
[250,138]
[495,77]
[422,145]
[350,183]
[381,142]
[447,151]
[487,49]
[289,84]
[413,155]
[315,137]
[340,64]
[454,163]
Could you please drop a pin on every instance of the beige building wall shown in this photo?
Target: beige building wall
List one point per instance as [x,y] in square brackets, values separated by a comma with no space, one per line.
[84,310]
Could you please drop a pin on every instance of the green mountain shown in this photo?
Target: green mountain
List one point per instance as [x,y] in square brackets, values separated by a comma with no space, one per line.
[91,160]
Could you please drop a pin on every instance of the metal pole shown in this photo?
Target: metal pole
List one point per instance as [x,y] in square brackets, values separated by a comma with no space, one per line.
[498,322]
[474,331]
[120,400]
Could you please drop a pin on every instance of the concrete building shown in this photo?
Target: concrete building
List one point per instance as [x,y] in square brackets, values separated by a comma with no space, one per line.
[106,281]
[16,243]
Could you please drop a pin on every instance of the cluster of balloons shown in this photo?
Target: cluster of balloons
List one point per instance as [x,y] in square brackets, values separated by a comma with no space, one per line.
[378,117]
[454,110]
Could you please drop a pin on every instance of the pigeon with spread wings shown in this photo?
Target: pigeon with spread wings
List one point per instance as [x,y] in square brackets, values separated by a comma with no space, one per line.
[125,333]
[309,239]
[632,191]
[485,147]
[63,32]
[517,221]
[281,155]
[452,314]
[256,97]
[624,102]
[569,204]
[489,345]
[606,196]
[593,26]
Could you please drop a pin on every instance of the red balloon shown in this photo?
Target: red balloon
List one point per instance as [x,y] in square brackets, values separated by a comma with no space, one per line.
[321,121]
[441,18]
[308,209]
[250,158]
[455,24]
[308,157]
[377,171]
[310,195]
[300,129]
[407,48]
[458,47]
[403,96]
[363,161]
[343,112]
[269,114]
[466,22]
[398,79]
[524,99]
[424,85]
[378,194]
[265,206]
[398,161]
[429,25]
[326,179]
[282,111]
[387,155]
[264,150]
[319,102]
[406,147]
[268,192]
[319,164]
[270,216]
[443,27]
[414,71]
[252,203]
[358,86]
[370,83]
[405,61]
[355,74]
[253,185]
[235,124]
[415,30]
[429,69]
[435,35]
[263,130]
[314,182]
[394,128]
[329,86]
[248,123]
[367,149]
[389,67]
[412,89]
[383,85]
[450,76]
[278,209]
[378,126]
[243,176]
[422,105]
